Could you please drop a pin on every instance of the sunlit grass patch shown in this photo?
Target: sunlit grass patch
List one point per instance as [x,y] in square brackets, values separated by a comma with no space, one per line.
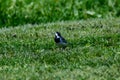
[29,51]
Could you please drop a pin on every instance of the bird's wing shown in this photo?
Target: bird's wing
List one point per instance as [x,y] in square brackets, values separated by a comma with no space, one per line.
[63,40]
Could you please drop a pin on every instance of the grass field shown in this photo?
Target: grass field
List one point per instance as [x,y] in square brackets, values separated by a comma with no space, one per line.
[28,52]
[20,12]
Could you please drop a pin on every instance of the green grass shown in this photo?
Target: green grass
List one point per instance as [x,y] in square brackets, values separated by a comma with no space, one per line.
[29,51]
[19,12]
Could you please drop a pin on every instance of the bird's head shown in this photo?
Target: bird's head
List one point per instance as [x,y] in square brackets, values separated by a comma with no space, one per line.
[57,34]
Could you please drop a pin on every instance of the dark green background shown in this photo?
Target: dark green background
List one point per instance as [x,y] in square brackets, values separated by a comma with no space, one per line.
[19,12]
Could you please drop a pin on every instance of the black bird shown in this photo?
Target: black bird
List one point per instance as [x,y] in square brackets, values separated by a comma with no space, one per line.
[60,41]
